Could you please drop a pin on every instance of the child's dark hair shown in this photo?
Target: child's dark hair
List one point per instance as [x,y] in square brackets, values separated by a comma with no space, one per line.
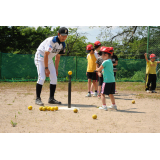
[96,47]
[109,55]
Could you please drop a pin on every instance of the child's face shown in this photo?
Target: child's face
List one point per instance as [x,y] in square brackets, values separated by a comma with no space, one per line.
[152,59]
[104,56]
[91,52]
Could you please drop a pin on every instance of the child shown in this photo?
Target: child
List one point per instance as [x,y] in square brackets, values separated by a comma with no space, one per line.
[97,46]
[151,72]
[91,66]
[100,75]
[108,86]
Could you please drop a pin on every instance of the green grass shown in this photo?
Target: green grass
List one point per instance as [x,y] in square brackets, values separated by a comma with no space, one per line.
[13,124]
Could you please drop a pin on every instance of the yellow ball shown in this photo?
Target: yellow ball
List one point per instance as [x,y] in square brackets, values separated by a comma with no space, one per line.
[30,107]
[40,108]
[48,108]
[56,108]
[70,72]
[52,108]
[94,116]
[75,110]
[44,108]
[133,102]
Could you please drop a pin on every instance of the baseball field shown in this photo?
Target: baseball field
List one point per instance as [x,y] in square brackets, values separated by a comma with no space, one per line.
[15,117]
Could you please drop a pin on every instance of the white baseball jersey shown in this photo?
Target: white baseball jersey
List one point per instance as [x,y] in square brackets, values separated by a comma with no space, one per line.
[52,45]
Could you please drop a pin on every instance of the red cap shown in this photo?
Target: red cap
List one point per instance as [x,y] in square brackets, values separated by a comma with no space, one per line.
[97,43]
[111,48]
[89,48]
[106,50]
[152,56]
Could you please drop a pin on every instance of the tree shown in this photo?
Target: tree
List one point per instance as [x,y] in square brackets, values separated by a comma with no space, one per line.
[75,43]
[128,41]
[23,39]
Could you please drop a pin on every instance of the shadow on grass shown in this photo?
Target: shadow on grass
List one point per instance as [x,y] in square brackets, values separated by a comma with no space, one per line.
[79,105]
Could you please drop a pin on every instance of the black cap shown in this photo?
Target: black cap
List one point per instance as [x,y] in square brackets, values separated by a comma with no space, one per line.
[63,31]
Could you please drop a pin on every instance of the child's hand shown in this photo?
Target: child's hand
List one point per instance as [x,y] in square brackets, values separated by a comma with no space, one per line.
[99,74]
[145,54]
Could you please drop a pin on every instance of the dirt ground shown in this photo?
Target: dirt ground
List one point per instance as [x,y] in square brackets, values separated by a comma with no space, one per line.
[141,117]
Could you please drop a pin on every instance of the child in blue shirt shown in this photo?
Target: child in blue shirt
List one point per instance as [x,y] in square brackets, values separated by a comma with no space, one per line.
[108,86]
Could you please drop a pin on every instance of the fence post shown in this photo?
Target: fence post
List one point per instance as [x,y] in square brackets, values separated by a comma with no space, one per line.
[148,38]
[0,64]
[76,67]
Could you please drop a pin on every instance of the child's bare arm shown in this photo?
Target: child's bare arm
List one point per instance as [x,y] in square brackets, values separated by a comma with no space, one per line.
[146,57]
[158,61]
[99,69]
[97,66]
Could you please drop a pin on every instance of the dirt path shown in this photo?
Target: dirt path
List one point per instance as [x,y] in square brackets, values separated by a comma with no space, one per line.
[141,117]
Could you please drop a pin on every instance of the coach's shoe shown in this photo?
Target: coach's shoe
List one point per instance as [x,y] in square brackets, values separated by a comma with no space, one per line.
[114,107]
[53,101]
[88,95]
[148,91]
[153,91]
[39,102]
[95,94]
[104,107]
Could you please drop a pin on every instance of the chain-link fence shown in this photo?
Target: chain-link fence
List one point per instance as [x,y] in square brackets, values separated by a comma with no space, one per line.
[21,67]
[153,46]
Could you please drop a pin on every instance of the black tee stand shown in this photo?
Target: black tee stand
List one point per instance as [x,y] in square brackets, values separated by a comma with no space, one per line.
[69,92]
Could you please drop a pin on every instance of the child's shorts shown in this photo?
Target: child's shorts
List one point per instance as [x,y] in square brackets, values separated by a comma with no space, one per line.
[100,80]
[108,88]
[91,75]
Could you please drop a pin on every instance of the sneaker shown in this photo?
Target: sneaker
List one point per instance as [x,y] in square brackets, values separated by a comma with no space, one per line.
[88,95]
[148,91]
[53,101]
[153,91]
[116,92]
[99,96]
[39,102]
[95,94]
[92,92]
[114,107]
[104,108]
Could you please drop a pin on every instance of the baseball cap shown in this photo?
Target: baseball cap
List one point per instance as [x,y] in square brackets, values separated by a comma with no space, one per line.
[89,48]
[111,49]
[101,50]
[97,43]
[152,56]
[63,31]
[106,50]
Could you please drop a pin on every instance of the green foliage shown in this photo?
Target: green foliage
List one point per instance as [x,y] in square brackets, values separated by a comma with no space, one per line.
[23,39]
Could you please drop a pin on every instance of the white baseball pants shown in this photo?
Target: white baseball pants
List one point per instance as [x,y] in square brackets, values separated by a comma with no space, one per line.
[41,72]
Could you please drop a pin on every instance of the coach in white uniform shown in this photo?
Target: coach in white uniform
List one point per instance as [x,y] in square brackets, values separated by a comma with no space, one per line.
[49,48]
